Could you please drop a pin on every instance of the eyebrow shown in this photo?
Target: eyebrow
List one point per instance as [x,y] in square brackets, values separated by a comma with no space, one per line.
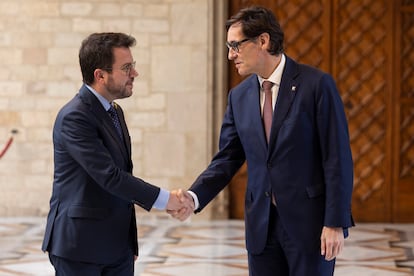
[127,64]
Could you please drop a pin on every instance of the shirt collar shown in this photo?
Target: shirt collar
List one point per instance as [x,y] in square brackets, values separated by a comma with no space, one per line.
[276,76]
[106,105]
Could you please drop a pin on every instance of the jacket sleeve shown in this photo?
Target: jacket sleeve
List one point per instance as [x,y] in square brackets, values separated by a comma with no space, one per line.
[224,164]
[337,161]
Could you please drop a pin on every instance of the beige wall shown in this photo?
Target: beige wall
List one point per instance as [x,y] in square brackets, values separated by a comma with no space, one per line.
[169,115]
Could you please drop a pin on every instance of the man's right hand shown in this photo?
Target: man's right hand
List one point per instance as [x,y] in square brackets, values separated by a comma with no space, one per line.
[180,204]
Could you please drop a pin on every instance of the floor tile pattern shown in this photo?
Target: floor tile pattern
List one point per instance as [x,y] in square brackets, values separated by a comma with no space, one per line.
[205,248]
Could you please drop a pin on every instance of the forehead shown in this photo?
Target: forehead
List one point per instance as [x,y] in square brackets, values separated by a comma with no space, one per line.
[122,55]
[235,32]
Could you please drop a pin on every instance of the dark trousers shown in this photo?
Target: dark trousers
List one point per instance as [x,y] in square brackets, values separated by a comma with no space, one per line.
[282,257]
[65,267]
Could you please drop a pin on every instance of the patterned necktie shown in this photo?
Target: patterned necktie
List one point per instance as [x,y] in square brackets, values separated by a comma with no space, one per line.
[115,121]
[267,108]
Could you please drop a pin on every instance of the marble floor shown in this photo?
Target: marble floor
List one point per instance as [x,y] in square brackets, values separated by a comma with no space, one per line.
[205,248]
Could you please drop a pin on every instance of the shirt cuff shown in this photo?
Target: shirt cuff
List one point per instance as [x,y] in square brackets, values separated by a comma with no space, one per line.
[195,198]
[162,200]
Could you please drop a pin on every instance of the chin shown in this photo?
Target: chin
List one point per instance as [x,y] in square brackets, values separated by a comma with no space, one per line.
[242,73]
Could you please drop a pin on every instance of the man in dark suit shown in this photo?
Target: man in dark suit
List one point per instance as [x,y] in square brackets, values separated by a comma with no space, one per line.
[300,170]
[91,226]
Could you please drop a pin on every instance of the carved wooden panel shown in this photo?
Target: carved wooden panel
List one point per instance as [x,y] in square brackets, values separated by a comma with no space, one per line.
[403,182]
[306,29]
[407,52]
[361,66]
[407,142]
[407,94]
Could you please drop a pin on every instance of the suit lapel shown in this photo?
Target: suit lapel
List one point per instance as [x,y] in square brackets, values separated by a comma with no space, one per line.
[253,99]
[97,108]
[287,91]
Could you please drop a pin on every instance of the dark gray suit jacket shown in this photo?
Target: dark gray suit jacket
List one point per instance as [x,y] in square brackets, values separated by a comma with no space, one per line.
[92,217]
[308,163]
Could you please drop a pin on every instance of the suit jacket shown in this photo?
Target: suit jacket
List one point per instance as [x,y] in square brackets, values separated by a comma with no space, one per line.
[307,164]
[92,216]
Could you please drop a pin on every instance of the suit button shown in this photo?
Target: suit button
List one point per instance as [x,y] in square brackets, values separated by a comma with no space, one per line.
[267,194]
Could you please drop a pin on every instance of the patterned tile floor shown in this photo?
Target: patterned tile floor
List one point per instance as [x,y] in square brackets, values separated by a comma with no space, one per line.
[205,248]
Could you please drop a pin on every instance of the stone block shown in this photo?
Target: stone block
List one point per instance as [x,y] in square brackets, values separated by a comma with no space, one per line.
[8,8]
[35,56]
[173,63]
[19,104]
[187,26]
[61,88]
[87,25]
[151,25]
[187,112]
[132,10]
[196,163]
[55,25]
[164,154]
[147,120]
[50,72]
[23,73]
[76,8]
[9,118]
[11,56]
[40,8]
[160,39]
[141,88]
[11,89]
[68,39]
[31,39]
[35,118]
[117,25]
[156,11]
[152,102]
[107,9]
[62,56]
[142,40]
[5,40]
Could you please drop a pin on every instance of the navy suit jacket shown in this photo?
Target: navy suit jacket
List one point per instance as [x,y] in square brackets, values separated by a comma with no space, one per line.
[92,216]
[307,164]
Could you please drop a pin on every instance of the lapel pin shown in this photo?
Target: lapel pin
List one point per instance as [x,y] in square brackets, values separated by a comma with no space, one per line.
[293,88]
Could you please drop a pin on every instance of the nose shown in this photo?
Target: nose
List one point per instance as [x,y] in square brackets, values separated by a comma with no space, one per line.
[134,72]
[231,54]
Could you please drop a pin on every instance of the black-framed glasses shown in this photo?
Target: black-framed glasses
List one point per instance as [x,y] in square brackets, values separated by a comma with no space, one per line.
[126,68]
[234,45]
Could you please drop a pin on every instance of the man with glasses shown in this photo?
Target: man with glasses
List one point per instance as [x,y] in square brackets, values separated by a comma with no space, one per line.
[288,122]
[91,226]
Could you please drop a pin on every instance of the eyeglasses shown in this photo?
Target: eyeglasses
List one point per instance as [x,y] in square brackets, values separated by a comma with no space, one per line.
[234,45]
[126,68]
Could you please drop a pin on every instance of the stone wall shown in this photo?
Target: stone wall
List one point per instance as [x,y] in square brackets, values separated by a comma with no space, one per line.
[169,116]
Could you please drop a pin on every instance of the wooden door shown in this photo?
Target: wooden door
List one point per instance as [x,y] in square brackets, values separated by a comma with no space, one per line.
[403,116]
[368,48]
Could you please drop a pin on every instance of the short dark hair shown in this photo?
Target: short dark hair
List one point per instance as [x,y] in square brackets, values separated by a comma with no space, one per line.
[96,51]
[256,20]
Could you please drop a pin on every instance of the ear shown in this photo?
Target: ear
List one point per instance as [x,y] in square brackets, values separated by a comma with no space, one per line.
[98,74]
[264,40]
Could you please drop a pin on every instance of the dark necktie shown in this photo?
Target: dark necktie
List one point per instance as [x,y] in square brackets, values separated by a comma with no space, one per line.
[115,120]
[267,108]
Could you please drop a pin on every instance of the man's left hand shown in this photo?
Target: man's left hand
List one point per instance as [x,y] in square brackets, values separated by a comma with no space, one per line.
[332,242]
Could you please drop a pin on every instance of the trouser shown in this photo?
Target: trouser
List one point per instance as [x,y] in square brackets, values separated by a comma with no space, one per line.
[283,257]
[65,267]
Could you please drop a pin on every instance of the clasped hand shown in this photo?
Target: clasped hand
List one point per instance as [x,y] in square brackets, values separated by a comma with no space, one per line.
[180,204]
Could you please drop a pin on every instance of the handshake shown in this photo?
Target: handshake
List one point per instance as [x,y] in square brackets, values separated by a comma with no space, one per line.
[180,204]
